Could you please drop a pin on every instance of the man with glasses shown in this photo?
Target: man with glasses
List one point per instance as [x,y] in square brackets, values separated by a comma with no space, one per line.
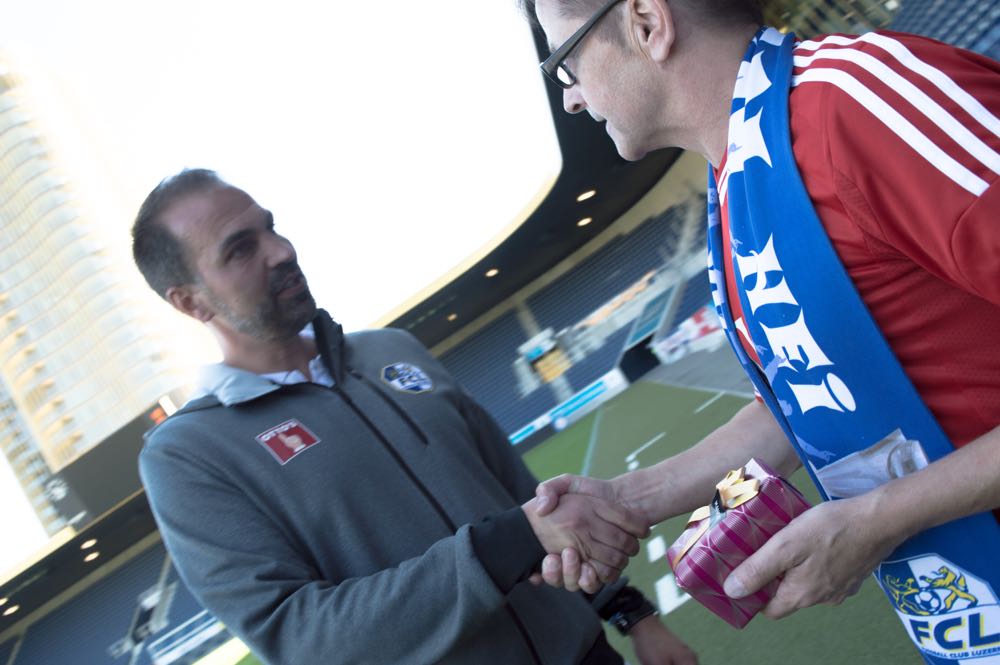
[853,239]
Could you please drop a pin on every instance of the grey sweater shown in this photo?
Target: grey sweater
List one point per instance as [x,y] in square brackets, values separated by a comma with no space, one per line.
[381,526]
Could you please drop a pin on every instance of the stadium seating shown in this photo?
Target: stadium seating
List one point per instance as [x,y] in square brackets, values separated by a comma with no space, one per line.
[700,240]
[483,366]
[6,649]
[82,630]
[606,273]
[483,362]
[970,24]
[599,362]
[697,293]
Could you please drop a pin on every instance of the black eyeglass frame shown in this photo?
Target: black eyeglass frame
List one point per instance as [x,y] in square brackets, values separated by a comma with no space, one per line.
[554,61]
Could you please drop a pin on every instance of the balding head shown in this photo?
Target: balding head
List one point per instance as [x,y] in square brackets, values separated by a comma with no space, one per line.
[158,253]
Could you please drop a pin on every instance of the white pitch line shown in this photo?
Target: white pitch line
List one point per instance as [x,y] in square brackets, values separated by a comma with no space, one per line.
[641,448]
[668,596]
[709,402]
[593,442]
[656,549]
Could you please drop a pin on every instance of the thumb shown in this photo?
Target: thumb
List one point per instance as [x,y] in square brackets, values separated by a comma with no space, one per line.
[756,572]
[548,493]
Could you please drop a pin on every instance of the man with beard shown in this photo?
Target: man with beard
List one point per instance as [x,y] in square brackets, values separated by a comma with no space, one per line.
[337,498]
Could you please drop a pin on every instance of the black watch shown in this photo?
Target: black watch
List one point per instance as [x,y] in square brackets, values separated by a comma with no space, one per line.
[625,620]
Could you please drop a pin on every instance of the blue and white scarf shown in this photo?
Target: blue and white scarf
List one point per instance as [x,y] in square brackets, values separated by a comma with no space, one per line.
[828,375]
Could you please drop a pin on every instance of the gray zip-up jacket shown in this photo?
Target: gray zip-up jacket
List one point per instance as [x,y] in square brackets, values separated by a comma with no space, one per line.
[372,522]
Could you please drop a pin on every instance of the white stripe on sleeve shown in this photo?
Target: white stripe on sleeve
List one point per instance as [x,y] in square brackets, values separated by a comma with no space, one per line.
[899,125]
[941,81]
[931,109]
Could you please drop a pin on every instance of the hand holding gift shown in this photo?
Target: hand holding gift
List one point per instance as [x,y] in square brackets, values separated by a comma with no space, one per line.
[751,505]
[823,556]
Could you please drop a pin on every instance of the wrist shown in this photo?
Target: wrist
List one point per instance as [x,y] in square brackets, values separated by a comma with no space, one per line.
[506,547]
[627,622]
[626,610]
[635,491]
[889,500]
[645,624]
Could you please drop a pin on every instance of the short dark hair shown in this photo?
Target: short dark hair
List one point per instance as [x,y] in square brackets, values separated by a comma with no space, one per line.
[158,253]
[717,11]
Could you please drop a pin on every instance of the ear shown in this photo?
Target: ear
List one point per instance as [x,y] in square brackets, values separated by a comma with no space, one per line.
[652,26]
[186,299]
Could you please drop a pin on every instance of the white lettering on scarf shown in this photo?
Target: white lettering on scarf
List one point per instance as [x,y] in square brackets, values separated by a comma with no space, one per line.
[792,342]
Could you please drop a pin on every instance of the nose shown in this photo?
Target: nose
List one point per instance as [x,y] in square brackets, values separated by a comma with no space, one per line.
[573,100]
[279,250]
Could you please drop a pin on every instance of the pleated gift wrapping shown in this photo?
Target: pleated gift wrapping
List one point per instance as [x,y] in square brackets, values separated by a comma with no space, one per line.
[751,505]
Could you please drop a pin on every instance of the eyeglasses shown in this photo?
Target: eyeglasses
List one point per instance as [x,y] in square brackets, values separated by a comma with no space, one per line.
[554,67]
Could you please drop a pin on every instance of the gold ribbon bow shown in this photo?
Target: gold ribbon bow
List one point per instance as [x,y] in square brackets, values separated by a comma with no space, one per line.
[732,491]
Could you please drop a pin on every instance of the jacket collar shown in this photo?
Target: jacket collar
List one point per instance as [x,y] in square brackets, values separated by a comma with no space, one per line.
[231,385]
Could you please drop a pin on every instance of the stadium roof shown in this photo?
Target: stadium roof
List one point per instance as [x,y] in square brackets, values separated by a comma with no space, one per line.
[550,234]
[57,572]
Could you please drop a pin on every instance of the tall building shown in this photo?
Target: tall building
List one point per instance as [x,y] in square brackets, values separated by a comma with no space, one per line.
[80,352]
[808,18]
[971,24]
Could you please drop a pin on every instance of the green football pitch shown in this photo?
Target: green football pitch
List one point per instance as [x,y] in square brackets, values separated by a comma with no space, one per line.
[651,421]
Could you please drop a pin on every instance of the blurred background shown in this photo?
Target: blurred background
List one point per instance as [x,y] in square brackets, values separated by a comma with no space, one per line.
[430,181]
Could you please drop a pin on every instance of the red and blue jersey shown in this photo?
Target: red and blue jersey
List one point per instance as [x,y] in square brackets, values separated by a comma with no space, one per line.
[897,141]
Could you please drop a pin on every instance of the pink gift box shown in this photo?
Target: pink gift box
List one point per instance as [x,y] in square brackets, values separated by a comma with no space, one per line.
[704,555]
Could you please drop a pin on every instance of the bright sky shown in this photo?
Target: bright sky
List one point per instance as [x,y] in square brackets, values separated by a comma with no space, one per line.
[391,140]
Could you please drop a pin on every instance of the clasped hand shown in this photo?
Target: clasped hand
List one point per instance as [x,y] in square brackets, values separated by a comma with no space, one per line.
[600,533]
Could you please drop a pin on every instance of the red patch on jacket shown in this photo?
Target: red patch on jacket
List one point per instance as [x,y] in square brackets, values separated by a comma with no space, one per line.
[287,440]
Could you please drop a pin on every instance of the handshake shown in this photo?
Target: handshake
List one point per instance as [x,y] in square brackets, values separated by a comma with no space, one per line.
[588,532]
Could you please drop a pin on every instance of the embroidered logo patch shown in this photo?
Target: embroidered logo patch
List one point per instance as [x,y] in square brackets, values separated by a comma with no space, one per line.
[950,614]
[287,440]
[407,378]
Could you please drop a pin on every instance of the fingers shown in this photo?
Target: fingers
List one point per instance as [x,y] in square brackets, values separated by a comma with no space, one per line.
[589,581]
[603,572]
[608,556]
[759,569]
[577,574]
[548,492]
[780,607]
[571,565]
[611,535]
[623,518]
[567,570]
[552,570]
[594,519]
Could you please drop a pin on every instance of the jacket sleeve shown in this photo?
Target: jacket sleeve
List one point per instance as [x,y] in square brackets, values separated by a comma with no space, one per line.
[253,575]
